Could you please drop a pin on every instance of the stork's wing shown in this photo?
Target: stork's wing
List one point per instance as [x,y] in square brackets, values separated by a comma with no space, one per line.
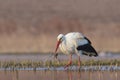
[77,39]
[87,49]
[87,40]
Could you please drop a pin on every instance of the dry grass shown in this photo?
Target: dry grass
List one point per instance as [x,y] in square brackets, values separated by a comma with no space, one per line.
[47,44]
[26,44]
[32,64]
[104,36]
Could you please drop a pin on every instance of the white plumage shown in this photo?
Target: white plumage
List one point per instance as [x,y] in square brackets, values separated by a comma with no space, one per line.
[70,41]
[75,42]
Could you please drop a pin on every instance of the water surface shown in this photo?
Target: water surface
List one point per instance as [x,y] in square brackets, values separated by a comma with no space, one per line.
[59,75]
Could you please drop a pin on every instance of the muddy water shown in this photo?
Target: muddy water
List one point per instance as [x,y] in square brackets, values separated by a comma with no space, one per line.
[59,75]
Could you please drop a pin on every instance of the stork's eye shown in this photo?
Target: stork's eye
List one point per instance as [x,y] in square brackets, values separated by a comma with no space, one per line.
[60,38]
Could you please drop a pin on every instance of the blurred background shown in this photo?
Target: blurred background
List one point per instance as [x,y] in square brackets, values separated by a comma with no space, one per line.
[33,25]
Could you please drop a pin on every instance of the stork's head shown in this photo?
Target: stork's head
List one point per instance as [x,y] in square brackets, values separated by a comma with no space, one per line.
[60,38]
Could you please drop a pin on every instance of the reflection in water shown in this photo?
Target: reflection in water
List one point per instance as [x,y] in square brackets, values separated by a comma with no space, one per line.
[100,75]
[71,76]
[116,76]
[15,75]
[59,75]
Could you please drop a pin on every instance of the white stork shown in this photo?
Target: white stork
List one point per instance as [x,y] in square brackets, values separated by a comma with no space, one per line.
[75,43]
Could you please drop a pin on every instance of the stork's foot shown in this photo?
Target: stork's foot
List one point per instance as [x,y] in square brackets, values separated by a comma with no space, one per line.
[69,63]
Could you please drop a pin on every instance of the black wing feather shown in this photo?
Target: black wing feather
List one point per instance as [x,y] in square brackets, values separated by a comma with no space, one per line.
[87,40]
[87,49]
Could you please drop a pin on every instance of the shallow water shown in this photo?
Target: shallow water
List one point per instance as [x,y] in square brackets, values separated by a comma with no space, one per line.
[59,75]
[70,68]
[49,56]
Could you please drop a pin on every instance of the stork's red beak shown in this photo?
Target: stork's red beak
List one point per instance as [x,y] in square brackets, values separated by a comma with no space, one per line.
[57,46]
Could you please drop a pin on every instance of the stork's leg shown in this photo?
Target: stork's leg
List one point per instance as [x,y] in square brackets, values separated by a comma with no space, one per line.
[70,62]
[79,62]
